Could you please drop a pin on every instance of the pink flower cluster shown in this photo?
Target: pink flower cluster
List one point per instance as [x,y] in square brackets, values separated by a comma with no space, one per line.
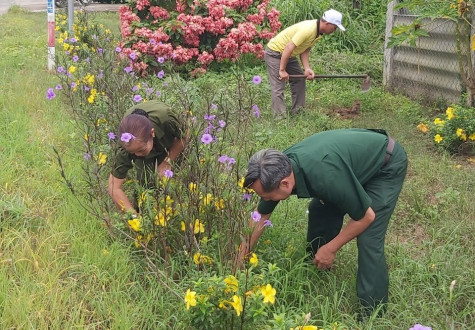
[198,32]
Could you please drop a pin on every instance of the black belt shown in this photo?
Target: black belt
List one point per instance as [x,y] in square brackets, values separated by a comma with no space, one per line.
[389,150]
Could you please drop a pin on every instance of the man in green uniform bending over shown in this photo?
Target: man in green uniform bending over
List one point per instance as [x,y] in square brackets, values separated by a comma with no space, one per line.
[357,172]
[151,137]
[280,57]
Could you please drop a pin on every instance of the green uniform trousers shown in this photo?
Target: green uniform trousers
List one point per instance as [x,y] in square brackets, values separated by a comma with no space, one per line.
[325,221]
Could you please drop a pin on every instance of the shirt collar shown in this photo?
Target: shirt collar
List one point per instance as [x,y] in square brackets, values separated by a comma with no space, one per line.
[300,188]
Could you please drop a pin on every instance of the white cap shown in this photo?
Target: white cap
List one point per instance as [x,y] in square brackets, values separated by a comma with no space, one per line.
[334,17]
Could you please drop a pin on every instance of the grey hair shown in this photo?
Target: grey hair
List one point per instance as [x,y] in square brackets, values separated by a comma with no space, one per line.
[270,166]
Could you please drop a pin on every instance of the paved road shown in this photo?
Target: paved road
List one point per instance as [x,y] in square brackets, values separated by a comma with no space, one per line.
[40,5]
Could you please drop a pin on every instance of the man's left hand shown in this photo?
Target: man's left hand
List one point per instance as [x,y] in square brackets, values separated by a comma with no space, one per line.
[310,74]
[324,257]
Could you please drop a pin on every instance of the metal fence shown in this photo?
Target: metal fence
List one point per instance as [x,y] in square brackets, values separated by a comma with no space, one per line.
[429,72]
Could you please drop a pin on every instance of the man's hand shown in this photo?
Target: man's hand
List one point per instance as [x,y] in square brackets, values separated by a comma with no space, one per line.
[324,257]
[162,167]
[283,75]
[310,74]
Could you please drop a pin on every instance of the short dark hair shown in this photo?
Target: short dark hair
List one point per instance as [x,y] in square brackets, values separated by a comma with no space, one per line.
[137,124]
[270,166]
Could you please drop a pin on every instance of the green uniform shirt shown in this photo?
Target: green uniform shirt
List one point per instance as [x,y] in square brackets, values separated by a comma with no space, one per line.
[167,128]
[334,166]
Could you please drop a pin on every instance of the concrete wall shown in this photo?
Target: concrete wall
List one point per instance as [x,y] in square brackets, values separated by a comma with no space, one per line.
[429,72]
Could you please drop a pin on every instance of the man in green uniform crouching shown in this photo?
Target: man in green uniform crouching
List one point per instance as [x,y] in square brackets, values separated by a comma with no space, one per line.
[358,172]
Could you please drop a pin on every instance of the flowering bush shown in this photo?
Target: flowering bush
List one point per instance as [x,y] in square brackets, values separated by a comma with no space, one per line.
[454,132]
[197,33]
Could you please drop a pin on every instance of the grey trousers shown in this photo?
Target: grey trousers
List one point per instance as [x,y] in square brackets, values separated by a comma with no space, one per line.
[277,86]
[326,220]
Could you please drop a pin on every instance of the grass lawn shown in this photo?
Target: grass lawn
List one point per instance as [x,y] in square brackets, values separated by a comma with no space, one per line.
[59,268]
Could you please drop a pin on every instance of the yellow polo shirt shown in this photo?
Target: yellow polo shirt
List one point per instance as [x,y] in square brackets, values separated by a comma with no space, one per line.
[302,34]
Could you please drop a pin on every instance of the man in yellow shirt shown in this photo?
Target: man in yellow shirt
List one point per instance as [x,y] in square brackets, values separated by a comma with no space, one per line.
[280,57]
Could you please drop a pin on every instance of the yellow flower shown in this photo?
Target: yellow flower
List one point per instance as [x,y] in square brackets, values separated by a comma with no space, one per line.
[241,182]
[192,186]
[199,258]
[142,198]
[72,68]
[66,47]
[219,204]
[101,158]
[222,305]
[450,113]
[472,136]
[196,258]
[86,137]
[459,132]
[232,283]
[101,121]
[190,298]
[160,220]
[207,200]
[253,260]
[237,304]
[438,138]
[199,227]
[135,224]
[438,121]
[269,294]
[423,128]
[305,327]
[183,226]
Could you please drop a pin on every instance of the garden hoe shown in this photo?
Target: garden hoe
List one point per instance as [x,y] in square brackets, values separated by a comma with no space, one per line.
[365,86]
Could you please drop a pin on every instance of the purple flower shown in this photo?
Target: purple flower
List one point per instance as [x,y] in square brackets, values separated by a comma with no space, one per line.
[50,94]
[206,138]
[101,74]
[213,106]
[87,60]
[246,197]
[87,156]
[59,87]
[420,327]
[135,88]
[152,42]
[149,91]
[100,50]
[73,85]
[161,74]
[75,58]
[222,123]
[255,216]
[86,88]
[60,69]
[160,59]
[223,159]
[209,117]
[158,93]
[72,40]
[111,136]
[128,69]
[118,49]
[165,84]
[126,137]
[168,173]
[267,223]
[256,80]
[231,160]
[256,112]
[137,98]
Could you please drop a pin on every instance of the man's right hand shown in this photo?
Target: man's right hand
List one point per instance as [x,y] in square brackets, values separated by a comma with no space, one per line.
[283,75]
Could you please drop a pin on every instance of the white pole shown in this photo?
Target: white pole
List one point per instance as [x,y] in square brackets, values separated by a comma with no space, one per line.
[51,35]
[70,17]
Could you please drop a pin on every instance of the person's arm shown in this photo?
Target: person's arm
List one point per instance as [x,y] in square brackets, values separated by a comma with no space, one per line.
[284,59]
[326,253]
[246,247]
[173,153]
[305,59]
[118,195]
